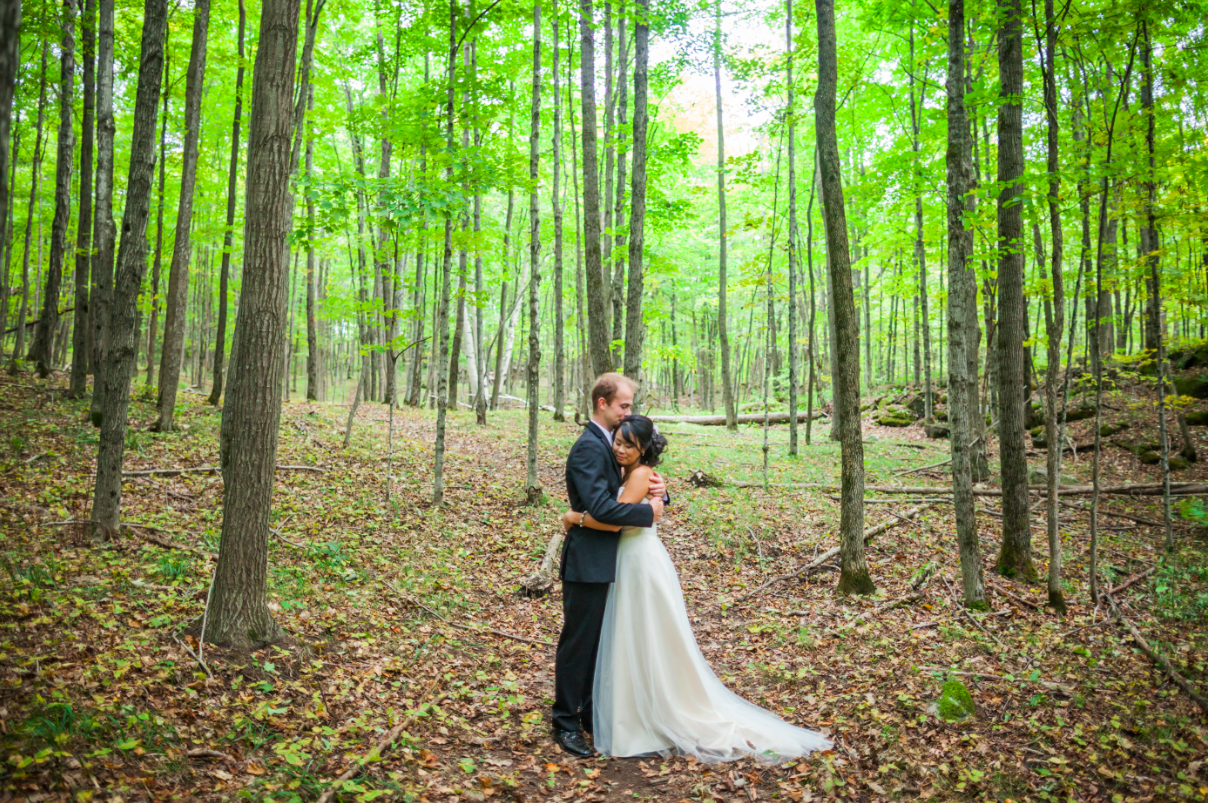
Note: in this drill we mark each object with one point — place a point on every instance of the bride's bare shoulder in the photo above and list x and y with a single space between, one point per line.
640 475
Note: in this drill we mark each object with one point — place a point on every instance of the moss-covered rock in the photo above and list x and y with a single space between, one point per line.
1081 412
1033 416
1139 448
955 702
941 415
1150 458
936 431
1107 430
1178 462
894 416
1194 385
1198 418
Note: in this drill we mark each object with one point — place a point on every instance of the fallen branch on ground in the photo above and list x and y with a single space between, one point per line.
376 752
1150 489
1153 656
720 420
1132 580
906 600
166 544
817 562
1048 684
146 472
1033 605
961 607
500 633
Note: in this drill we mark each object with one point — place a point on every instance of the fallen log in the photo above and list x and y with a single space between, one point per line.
906 600
147 472
822 559
1157 659
1148 489
720 420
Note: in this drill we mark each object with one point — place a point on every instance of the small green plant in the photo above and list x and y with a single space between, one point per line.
174 570
1182 591
31 580
56 723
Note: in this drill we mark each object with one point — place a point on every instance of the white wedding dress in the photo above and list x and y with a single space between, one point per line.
654 691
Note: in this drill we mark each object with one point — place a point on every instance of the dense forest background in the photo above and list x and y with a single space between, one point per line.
328 282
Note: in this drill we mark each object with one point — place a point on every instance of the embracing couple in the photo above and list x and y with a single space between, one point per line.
628 670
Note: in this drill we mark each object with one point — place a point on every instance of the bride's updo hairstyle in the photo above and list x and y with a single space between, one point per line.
640 430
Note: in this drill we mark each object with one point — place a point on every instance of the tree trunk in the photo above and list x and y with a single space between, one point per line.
229 229
790 118
533 482
114 372
239 616
617 245
585 359
36 172
962 294
41 352
1054 312
157 261
812 356
635 330
1015 557
10 65
559 324
853 577
598 318
104 230
79 331
610 176
312 329
920 252
727 388
442 316
178 274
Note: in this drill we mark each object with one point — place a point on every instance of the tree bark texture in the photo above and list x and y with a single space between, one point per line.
79 332
312 329
158 259
1015 556
533 482
41 351
853 577
962 294
559 324
10 64
178 274
229 229
442 315
23 308
598 319
635 330
790 118
115 371
727 388
238 609
103 229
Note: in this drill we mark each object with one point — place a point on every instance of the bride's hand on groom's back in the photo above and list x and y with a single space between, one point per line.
656 504
657 487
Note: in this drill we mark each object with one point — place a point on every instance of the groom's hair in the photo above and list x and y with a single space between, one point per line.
606 388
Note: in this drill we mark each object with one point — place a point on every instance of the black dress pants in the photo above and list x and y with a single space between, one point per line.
575 662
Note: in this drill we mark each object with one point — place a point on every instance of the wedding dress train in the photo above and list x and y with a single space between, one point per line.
654 692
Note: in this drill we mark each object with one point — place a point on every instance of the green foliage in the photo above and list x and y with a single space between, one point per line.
955 703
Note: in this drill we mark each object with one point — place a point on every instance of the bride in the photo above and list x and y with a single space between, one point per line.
654 691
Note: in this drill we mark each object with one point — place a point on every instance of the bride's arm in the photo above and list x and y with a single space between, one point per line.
636 488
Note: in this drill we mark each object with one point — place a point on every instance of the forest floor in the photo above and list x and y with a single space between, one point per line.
401 613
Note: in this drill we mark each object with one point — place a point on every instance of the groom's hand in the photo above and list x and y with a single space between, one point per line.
658 488
656 504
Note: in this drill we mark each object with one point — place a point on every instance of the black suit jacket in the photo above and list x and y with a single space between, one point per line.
593 478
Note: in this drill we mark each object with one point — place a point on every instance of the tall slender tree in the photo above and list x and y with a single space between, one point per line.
635 330
23 307
158 260
1015 556
10 64
79 331
598 317
41 351
103 229
442 316
559 323
790 120
962 296
853 576
228 233
533 482
727 388
178 273
237 612
114 372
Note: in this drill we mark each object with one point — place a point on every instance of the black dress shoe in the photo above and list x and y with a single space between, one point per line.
573 742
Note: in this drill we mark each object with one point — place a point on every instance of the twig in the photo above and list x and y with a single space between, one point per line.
277 532
196 657
493 632
1153 656
166 544
906 600
817 562
968 615
1033 605
1048 684
376 752
29 460
202 752
1132 580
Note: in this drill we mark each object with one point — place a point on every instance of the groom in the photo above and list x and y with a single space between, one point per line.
589 557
